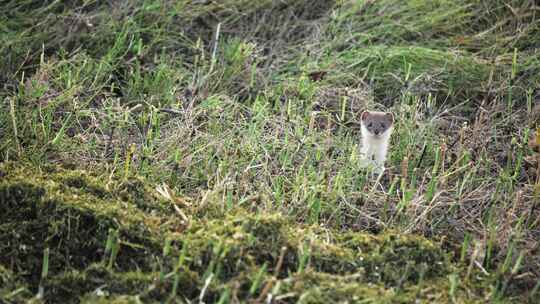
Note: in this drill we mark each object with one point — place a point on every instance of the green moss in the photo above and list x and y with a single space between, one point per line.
392 257
69 212
238 245
135 190
123 299
57 210
97 280
316 287
78 182
11 289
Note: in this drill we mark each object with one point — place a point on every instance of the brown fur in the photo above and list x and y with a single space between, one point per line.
377 122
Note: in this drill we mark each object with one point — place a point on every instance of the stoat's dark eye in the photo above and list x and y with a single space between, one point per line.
370 125
383 126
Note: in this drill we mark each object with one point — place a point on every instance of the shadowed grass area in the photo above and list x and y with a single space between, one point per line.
250 109
71 214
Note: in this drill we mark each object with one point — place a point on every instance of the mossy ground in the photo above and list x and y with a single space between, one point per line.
148 142
237 253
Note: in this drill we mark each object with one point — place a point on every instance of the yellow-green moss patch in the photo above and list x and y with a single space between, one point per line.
234 255
72 215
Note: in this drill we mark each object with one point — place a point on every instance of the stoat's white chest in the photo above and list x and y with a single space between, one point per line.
374 148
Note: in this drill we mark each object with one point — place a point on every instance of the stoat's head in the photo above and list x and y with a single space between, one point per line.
377 124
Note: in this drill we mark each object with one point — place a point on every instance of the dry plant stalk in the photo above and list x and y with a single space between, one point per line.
273 279
405 168
14 122
537 185
443 157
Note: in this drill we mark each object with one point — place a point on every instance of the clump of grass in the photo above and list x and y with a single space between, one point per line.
416 70
431 29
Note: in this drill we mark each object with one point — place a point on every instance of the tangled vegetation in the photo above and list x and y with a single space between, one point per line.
182 151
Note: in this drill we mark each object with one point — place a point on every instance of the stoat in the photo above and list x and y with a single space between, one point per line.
376 130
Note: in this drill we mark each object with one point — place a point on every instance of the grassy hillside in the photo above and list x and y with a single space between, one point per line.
188 151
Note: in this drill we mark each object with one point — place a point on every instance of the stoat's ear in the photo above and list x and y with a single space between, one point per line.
364 115
390 117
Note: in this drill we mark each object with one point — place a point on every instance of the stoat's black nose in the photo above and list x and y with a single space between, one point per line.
376 132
